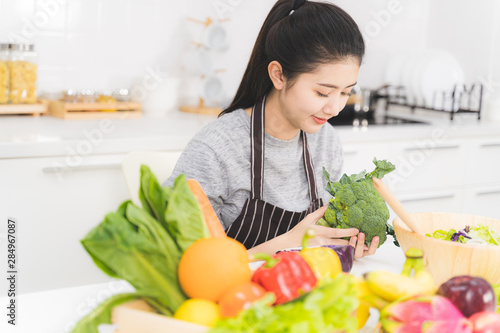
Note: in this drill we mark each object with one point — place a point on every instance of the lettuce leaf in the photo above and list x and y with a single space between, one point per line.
496 288
102 313
489 234
480 234
327 308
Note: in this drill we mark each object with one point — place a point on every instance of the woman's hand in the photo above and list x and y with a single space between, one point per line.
331 236
324 236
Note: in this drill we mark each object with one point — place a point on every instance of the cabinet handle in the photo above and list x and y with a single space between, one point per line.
429 197
54 169
455 146
491 144
488 192
350 152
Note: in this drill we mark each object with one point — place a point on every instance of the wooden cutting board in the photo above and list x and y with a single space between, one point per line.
138 316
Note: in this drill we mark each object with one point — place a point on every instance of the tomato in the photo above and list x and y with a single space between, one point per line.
239 298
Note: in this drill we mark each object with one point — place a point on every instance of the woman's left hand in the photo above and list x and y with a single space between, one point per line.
360 248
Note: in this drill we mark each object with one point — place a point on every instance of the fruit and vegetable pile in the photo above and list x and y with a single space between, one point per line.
173 251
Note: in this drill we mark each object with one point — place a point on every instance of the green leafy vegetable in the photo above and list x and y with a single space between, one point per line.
144 245
488 234
356 203
183 215
102 314
496 287
480 234
327 308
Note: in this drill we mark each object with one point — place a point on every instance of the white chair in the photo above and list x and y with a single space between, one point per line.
161 164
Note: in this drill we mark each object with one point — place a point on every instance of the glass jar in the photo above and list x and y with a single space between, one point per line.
4 73
23 70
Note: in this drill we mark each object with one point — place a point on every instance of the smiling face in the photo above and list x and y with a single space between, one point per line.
311 99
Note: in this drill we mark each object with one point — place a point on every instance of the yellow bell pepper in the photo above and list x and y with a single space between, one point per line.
323 261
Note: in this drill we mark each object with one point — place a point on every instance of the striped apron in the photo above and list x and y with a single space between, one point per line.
260 221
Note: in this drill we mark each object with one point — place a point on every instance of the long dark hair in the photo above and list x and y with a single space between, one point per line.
315 33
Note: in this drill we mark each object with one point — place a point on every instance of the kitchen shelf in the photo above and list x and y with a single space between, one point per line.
65 110
35 109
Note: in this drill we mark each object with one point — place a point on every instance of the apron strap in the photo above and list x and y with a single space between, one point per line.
308 164
257 137
257 148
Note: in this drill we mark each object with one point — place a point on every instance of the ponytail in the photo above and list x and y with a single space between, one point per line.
300 35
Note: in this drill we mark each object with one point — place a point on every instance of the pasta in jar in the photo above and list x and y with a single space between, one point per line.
23 74
4 73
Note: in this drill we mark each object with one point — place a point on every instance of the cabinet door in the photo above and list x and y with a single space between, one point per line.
430 201
426 165
56 201
483 162
359 157
483 200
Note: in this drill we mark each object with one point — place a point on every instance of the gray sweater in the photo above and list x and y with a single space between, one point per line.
218 157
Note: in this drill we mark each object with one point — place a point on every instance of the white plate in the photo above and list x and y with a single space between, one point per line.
408 76
440 73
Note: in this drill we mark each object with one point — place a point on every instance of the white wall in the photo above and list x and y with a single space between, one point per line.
106 44
471 31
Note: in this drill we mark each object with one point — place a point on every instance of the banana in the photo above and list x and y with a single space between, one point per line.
391 286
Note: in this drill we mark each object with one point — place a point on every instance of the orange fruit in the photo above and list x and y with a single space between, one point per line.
210 266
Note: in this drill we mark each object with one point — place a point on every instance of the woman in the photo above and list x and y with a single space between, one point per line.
260 162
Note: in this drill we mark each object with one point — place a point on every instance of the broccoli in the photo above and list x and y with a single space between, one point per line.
356 204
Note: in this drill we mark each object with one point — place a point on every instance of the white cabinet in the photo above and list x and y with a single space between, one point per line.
56 201
423 167
360 156
438 173
482 200
432 201
446 201
483 161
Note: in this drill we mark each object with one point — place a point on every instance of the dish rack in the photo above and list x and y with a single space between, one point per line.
462 99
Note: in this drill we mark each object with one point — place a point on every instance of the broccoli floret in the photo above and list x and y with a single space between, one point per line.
356 203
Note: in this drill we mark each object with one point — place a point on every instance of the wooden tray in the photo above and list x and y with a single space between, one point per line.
36 109
138 316
65 110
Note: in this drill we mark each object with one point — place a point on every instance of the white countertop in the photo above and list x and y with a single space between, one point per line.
56 311
22 136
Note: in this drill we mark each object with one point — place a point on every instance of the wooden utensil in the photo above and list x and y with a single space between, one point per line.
396 206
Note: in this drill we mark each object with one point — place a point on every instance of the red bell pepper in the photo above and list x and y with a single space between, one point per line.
286 274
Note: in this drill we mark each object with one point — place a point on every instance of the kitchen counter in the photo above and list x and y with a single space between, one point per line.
56 311
48 136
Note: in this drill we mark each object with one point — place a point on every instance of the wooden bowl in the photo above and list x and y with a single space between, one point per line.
445 259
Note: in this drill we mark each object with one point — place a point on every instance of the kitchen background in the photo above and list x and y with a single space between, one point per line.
60 177
110 44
